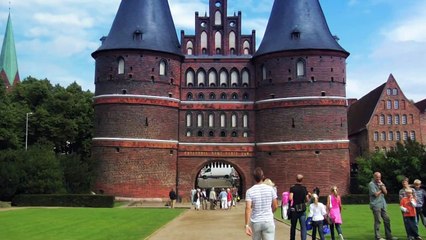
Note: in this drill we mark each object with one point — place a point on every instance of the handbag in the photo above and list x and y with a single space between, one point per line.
326 229
308 223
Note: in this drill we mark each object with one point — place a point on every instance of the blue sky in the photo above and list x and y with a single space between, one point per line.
54 39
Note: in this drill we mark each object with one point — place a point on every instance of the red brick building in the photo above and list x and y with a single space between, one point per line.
164 109
384 117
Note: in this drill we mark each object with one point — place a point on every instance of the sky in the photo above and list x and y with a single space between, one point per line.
54 38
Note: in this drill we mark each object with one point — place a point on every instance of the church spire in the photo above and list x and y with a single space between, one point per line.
143 25
297 25
8 59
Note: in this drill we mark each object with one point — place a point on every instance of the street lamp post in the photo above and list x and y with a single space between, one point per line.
26 131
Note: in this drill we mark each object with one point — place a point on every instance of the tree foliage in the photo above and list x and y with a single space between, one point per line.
407 159
60 126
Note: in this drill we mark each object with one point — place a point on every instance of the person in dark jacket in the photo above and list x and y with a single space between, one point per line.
172 196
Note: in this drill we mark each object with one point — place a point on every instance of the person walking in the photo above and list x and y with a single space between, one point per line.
408 208
212 199
204 199
299 196
261 203
334 209
377 191
223 197
172 196
420 195
317 211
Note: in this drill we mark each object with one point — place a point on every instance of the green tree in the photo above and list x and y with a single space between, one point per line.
407 159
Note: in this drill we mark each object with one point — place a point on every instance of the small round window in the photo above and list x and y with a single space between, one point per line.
232 24
203 24
218 4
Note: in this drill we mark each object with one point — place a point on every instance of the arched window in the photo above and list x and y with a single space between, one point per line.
189 96
189 47
212 96
396 104
395 91
398 136
389 119
245 121
245 78
388 91
120 65
263 72
405 136
212 78
223 78
376 136
163 67
222 120
245 134
388 104
404 120
390 136
397 119
217 18
189 120
300 68
188 133
211 120
382 119
203 42
200 96
218 41
234 120
234 96
200 120
223 96
201 78
190 78
246 47
232 41
383 136
413 135
234 78
234 134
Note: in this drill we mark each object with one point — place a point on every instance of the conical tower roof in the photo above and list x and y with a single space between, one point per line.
8 59
297 25
144 25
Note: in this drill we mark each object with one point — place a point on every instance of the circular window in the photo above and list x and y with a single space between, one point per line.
203 24
232 24
218 4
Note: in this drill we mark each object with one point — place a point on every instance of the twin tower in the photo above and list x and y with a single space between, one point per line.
164 109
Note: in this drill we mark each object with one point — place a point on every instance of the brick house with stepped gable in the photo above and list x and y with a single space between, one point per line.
164 109
384 117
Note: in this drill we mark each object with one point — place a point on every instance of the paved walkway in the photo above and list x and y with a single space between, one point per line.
212 225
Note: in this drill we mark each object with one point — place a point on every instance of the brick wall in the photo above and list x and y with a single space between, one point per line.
135 172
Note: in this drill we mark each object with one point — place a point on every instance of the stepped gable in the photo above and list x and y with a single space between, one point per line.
142 25
299 25
8 59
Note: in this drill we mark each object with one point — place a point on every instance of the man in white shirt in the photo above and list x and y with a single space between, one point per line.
261 203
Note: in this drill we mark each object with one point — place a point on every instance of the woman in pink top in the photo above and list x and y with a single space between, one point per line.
334 208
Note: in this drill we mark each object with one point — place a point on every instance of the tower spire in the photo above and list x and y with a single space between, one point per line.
8 60
297 25
143 25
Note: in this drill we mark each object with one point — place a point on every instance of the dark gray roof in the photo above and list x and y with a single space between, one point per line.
152 19
303 16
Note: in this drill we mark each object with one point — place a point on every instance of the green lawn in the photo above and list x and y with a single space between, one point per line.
83 223
358 222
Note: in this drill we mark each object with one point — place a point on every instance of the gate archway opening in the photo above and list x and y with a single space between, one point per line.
219 174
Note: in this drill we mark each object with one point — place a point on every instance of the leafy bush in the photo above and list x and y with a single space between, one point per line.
63 200
406 160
